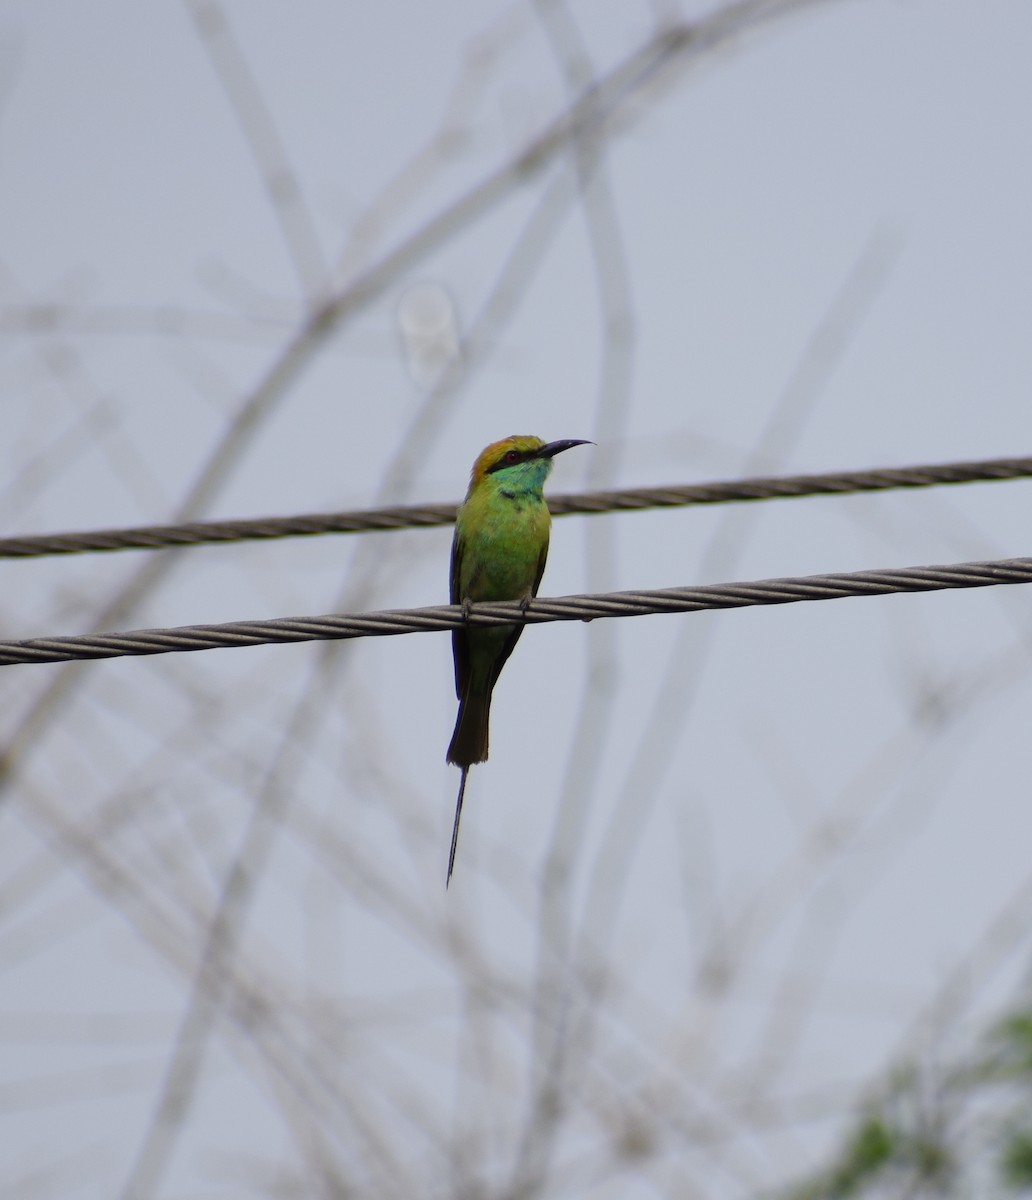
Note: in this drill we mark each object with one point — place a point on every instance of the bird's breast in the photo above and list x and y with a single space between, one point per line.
502 544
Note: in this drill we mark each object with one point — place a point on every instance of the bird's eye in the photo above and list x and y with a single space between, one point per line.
512 456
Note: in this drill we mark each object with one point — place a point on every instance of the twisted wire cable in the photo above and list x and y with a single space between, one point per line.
154 537
539 611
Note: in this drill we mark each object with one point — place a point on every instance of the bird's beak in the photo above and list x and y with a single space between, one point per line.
553 448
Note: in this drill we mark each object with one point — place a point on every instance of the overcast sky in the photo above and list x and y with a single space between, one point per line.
720 868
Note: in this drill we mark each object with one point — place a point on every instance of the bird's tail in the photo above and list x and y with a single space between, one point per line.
469 741
455 827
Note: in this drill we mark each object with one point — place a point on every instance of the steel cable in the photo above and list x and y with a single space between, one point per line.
840 483
539 611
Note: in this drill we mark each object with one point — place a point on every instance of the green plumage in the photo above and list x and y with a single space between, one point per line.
498 553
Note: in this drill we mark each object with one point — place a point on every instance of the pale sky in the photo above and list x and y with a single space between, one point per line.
786 831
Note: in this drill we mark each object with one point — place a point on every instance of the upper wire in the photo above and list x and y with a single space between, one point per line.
198 533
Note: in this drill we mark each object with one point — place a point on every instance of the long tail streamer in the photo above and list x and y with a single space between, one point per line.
455 827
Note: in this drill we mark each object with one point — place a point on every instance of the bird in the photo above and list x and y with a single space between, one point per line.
498 553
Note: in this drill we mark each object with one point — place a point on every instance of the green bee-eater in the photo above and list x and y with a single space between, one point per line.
498 553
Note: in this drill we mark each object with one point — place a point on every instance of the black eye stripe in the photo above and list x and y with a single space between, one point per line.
506 461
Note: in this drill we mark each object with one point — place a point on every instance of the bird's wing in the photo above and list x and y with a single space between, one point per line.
460 642
456 567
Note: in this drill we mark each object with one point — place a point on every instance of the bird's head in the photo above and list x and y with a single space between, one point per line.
523 462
